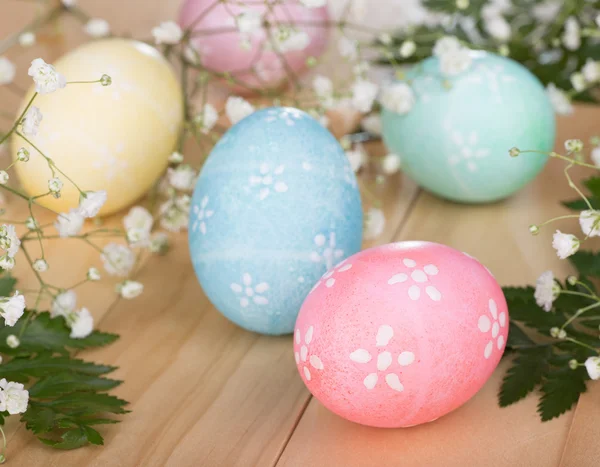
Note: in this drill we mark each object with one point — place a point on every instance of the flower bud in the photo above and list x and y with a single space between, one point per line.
573 364
105 80
534 229
514 152
13 341
23 155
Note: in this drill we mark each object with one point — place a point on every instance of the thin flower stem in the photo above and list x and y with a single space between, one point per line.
575 341
567 216
561 157
572 185
579 312
12 130
3 450
51 163
579 294
84 82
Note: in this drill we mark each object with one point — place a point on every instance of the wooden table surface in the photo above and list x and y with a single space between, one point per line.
204 392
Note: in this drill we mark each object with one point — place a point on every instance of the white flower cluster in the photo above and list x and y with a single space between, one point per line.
454 58
13 397
10 243
69 224
80 321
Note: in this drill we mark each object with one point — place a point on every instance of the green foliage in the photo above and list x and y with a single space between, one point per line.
593 186
533 43
67 395
541 362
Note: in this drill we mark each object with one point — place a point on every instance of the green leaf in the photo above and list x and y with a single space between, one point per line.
524 375
587 263
560 391
517 338
70 439
581 205
7 285
65 383
20 368
51 334
88 403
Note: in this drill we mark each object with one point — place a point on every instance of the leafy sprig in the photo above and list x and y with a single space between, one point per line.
68 396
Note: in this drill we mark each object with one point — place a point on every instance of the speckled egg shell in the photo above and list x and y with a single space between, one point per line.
275 206
455 140
401 334
116 138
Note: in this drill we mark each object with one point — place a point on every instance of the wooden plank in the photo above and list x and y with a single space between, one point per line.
480 432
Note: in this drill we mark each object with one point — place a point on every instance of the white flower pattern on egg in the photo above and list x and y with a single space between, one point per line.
467 149
492 76
328 276
267 181
418 277
384 360
246 291
485 325
202 215
325 251
304 358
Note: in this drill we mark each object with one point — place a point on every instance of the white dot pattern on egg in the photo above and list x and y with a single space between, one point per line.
273 211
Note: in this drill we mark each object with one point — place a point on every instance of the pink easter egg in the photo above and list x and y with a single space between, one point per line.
218 41
401 334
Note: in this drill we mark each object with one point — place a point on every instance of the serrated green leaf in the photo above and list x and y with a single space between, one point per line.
47 366
581 205
523 308
44 333
38 419
587 263
524 375
70 439
88 403
65 383
560 390
93 436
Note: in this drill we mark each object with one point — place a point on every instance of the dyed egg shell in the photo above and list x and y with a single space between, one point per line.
454 142
401 334
222 51
275 206
116 138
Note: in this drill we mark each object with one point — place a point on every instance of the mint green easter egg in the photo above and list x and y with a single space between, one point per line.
456 138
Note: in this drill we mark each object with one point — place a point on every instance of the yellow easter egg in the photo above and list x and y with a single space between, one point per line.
116 138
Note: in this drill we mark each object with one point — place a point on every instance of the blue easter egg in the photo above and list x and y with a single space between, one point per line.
276 205
456 138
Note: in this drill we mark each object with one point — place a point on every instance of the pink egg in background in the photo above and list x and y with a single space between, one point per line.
401 334
221 51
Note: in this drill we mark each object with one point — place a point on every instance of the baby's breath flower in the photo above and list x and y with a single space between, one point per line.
45 76
31 121
560 101
571 37
407 49
93 274
446 45
375 223
13 341
12 308
591 71
9 240
357 158
565 244
572 280
14 398
498 27
372 124
118 259
363 95
55 185
182 178
385 38
7 71
534 229
81 323
40 265
172 218
398 98
69 224
348 48
167 32
159 243
237 109
514 152
313 3
207 119
23 155
249 22
6 262
590 223
595 156
546 290
63 304
573 364
97 27
27 39
30 223
462 4
574 145
3 177
129 289
176 158
391 164
91 203
456 62
289 39
105 80
592 365
578 81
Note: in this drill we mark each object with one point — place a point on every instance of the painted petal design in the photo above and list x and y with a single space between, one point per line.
414 292
433 293
384 360
384 335
260 300
406 358
360 356
309 335
262 287
307 373
397 278
316 362
484 324
303 353
393 381
488 349
237 288
493 308
418 276
370 381
409 263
